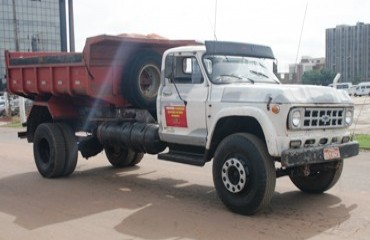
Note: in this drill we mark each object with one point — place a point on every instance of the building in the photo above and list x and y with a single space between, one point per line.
31 25
307 63
283 77
348 52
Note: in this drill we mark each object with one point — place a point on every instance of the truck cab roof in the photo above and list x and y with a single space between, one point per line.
229 48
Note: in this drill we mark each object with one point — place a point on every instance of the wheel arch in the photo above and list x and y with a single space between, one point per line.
228 125
38 115
56 109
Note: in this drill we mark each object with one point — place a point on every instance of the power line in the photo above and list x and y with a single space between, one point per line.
300 36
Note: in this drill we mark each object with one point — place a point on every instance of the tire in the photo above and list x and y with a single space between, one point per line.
141 85
120 157
71 153
321 178
137 159
244 173
49 150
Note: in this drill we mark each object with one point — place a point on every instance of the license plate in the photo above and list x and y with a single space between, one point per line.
331 153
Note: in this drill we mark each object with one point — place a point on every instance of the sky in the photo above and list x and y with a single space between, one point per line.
277 24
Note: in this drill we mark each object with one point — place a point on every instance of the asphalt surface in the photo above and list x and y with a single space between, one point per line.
163 200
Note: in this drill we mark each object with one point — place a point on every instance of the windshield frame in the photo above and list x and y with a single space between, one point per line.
271 76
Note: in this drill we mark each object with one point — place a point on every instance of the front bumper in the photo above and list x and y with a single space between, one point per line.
311 155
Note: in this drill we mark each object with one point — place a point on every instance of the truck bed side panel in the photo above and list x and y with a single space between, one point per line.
96 73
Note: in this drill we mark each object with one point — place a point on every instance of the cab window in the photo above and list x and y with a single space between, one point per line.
184 70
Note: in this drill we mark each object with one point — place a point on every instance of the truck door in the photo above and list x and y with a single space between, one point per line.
182 101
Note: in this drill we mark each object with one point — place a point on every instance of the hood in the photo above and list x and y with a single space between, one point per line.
284 94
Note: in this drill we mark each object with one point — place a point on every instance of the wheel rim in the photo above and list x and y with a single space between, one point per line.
235 175
44 150
149 79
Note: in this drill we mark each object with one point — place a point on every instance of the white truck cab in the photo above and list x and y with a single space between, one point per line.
220 101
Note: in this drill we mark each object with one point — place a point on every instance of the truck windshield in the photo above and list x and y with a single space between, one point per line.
235 69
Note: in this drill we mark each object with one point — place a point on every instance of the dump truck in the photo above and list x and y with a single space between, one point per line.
188 102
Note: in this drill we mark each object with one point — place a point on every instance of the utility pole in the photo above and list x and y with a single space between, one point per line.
15 26
71 26
15 29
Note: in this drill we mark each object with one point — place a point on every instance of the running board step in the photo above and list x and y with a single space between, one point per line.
183 157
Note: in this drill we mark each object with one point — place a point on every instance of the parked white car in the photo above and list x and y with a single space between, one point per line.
2 107
352 90
362 89
346 86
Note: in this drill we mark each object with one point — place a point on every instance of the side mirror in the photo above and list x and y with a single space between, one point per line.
169 66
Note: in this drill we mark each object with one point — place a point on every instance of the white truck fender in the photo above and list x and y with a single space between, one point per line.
261 117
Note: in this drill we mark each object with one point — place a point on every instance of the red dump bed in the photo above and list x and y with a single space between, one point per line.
96 73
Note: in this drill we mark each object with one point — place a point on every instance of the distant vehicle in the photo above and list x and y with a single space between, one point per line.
2 107
14 106
352 90
362 89
342 86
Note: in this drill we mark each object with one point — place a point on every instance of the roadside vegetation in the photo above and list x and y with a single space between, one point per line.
363 140
13 122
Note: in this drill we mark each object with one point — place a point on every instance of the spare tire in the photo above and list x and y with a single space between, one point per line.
140 86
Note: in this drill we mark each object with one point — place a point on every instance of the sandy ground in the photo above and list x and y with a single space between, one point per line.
163 200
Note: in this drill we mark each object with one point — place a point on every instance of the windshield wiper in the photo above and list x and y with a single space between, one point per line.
238 77
258 74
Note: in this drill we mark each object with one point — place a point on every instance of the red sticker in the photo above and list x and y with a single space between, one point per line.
176 116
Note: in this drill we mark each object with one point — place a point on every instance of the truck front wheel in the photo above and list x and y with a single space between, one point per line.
243 173
320 178
121 157
49 150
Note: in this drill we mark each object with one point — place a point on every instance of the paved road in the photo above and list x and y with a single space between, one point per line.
161 200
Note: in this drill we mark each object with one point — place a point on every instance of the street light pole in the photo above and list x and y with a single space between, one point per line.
71 26
15 26
15 30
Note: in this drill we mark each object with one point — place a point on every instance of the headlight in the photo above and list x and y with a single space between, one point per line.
296 118
349 116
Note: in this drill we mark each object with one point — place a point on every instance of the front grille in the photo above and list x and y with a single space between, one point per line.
323 118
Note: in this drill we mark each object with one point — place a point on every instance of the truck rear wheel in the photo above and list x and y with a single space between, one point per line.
243 173
71 151
141 85
49 150
321 177
121 157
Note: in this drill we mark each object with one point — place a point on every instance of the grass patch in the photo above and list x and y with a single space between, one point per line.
14 123
363 140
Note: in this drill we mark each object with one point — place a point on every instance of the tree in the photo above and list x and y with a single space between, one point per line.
318 77
357 80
